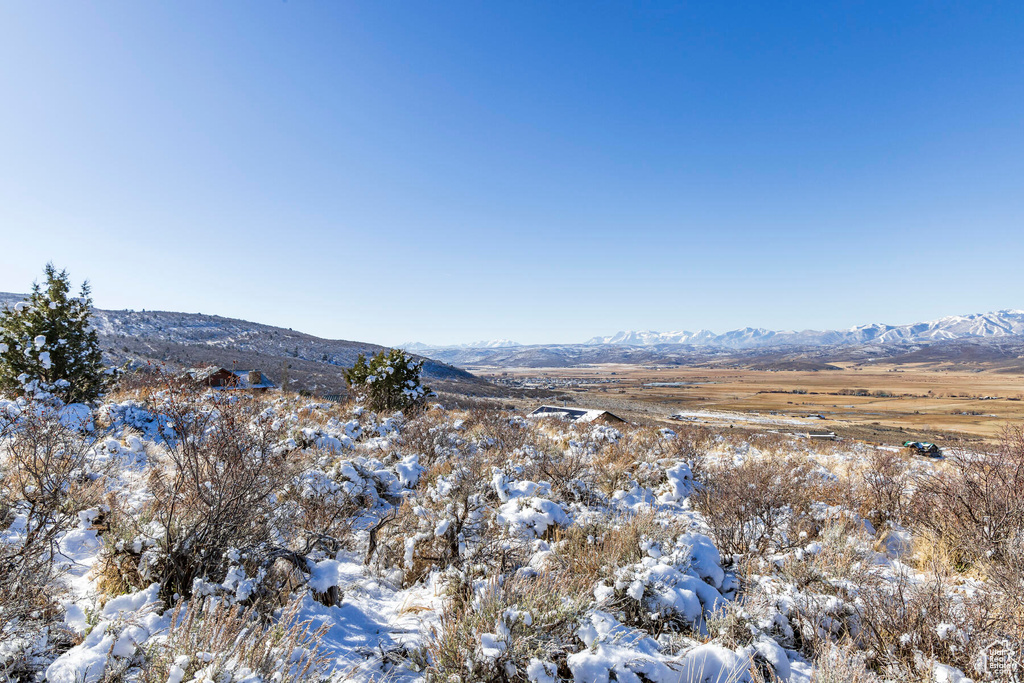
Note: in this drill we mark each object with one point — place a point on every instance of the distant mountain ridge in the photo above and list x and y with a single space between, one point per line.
754 347
489 344
1006 323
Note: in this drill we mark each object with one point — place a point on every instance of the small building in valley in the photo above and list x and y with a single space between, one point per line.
922 448
223 379
581 415
817 434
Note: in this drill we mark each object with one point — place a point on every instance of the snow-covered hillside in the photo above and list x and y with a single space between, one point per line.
193 339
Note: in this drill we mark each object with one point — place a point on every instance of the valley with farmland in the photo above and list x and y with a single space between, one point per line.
878 402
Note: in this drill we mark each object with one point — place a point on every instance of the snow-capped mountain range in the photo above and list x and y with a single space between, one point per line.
488 344
1006 323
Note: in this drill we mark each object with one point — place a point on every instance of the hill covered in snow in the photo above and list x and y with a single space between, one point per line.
180 340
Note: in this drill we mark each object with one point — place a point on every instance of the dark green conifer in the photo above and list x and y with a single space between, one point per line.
49 338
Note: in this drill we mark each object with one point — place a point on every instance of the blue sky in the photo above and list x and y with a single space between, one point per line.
448 172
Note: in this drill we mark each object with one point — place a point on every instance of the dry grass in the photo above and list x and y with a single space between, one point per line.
211 640
535 617
592 552
762 505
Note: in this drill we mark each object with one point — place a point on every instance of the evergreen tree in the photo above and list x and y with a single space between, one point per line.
48 338
390 381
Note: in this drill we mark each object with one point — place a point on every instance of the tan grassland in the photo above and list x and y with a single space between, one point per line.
880 403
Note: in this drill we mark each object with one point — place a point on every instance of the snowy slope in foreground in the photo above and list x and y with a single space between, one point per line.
477 551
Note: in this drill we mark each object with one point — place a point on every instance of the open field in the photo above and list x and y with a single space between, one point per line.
880 403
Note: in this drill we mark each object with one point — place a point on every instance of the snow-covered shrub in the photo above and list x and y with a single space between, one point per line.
647 572
569 471
320 509
49 339
45 483
674 587
212 491
211 640
678 485
520 627
318 513
804 598
389 381
531 516
619 462
842 663
444 523
136 416
497 430
762 503
884 488
431 436
200 640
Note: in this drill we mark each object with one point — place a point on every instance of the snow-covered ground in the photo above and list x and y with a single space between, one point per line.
720 417
450 545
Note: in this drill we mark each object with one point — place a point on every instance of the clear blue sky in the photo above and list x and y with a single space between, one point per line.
446 172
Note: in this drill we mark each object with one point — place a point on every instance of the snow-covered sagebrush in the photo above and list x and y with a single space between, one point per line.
211 537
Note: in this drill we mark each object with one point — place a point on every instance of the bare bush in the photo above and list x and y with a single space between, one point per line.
44 484
976 503
495 634
212 492
885 485
760 504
